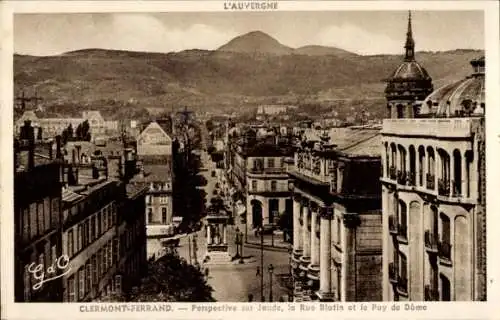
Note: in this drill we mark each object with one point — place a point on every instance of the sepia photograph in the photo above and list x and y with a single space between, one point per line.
258 156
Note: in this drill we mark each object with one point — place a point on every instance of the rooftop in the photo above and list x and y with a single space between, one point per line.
154 173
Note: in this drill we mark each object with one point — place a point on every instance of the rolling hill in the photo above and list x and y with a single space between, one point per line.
248 70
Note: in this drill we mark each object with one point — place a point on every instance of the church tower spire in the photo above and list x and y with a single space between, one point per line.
410 43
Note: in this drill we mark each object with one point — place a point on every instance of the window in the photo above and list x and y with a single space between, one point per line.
87 231
92 229
27 284
164 215
118 284
79 238
110 217
41 227
150 215
53 253
93 262
110 253
339 230
98 223
403 219
273 185
270 163
254 185
26 223
88 277
71 289
71 244
105 220
46 213
81 283
55 206
115 250
400 111
105 259
41 260
98 262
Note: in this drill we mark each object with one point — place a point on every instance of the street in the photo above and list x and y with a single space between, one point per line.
235 282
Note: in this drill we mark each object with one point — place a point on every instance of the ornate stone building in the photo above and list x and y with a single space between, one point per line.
337 244
409 84
433 194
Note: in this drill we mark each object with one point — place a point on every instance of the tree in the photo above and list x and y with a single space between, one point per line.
82 131
69 132
209 124
169 279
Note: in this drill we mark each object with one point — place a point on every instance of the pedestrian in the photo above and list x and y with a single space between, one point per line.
206 272
250 297
258 272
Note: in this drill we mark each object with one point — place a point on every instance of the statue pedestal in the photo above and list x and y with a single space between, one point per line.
217 247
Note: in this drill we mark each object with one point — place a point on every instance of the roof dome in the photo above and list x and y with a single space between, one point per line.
410 70
463 98
410 81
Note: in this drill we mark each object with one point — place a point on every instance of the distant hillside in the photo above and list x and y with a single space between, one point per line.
323 51
237 74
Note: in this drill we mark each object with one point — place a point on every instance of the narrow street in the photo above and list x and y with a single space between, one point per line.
234 282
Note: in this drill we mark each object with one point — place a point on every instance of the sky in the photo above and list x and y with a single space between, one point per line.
362 32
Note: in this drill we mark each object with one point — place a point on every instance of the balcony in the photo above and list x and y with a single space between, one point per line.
446 127
402 285
393 277
393 173
273 170
393 225
444 250
431 242
401 177
431 294
403 231
457 188
430 181
412 181
444 187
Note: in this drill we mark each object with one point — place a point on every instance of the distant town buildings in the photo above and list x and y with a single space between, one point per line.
50 127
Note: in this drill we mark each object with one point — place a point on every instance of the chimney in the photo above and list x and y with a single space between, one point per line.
58 147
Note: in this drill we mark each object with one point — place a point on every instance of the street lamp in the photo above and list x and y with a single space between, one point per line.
239 245
270 269
261 264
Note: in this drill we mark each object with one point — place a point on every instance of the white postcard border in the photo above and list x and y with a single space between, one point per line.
455 310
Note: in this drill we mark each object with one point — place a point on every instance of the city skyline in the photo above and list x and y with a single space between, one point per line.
361 32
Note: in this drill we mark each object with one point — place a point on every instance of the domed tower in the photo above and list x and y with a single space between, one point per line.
463 98
409 84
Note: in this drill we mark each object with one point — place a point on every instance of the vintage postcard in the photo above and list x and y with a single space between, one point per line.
278 159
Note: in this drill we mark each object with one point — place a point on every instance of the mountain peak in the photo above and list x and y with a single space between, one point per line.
256 42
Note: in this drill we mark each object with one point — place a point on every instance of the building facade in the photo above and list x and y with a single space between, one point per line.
103 236
154 151
268 191
37 219
433 196
73 222
46 128
337 241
